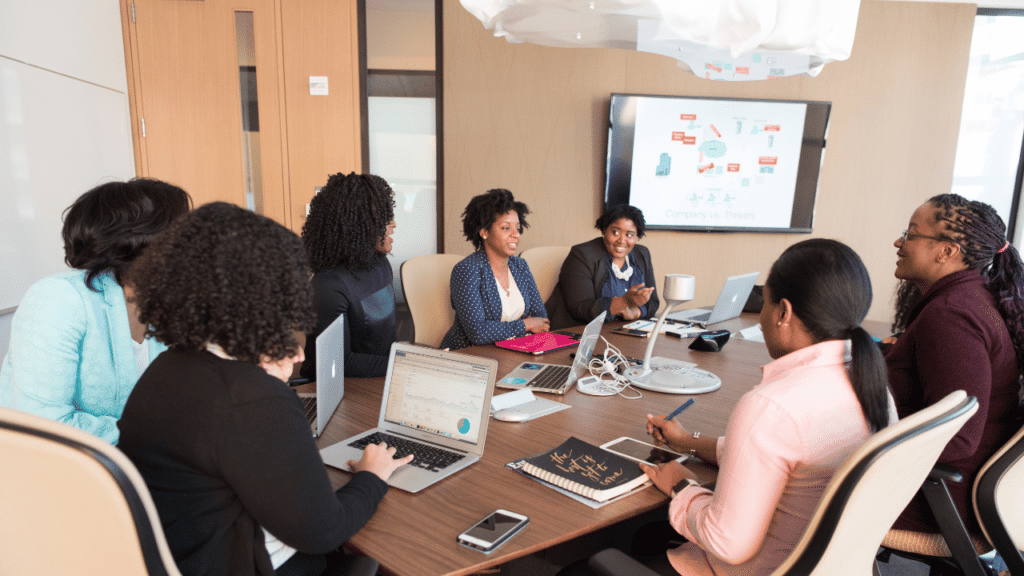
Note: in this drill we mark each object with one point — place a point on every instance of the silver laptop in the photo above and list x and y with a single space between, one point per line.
729 305
436 405
556 378
330 377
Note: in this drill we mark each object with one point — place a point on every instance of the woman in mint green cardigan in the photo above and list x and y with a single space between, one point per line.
77 347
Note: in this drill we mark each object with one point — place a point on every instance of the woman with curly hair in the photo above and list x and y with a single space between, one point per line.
221 440
960 306
493 292
608 274
348 237
77 345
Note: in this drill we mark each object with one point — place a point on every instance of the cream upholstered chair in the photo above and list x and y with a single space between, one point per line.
426 282
862 500
545 264
998 494
70 503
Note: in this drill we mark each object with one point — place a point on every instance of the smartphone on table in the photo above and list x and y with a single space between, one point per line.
642 451
631 332
492 531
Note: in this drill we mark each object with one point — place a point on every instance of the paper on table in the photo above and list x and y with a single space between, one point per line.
524 401
753 334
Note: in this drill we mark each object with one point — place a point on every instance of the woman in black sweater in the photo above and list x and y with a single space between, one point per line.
222 442
348 236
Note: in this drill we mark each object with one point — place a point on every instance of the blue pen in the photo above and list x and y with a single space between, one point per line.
676 412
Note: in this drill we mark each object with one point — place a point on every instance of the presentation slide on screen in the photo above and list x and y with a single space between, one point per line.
716 163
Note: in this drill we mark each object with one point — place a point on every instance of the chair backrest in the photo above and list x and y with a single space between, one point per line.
545 264
71 503
872 487
426 282
999 500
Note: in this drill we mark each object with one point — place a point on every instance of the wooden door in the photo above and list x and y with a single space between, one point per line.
184 66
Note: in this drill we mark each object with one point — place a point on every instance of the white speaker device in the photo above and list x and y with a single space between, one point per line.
665 374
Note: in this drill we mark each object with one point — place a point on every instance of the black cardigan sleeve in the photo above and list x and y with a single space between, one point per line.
268 456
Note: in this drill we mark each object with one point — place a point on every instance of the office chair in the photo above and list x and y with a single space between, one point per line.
998 496
545 264
862 500
426 284
73 504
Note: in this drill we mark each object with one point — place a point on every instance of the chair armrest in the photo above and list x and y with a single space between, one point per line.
944 472
614 562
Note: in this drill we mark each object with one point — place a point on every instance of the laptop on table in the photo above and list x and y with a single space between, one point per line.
729 305
556 378
436 405
330 377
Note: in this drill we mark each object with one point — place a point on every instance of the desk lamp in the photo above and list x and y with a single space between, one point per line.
665 374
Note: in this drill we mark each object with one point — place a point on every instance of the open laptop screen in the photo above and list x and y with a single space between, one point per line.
437 395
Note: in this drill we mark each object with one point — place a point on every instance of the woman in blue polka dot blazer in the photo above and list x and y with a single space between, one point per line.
493 292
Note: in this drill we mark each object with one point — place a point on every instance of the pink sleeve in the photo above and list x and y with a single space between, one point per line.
755 462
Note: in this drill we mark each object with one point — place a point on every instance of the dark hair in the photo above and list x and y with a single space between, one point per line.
830 290
106 228
483 210
347 221
618 211
227 276
979 231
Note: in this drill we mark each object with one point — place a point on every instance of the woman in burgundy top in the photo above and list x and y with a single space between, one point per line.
960 309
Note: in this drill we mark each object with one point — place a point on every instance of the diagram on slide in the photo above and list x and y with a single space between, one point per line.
717 167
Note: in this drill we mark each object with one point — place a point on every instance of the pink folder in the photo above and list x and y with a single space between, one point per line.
538 343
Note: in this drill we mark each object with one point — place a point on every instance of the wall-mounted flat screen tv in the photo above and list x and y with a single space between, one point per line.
716 164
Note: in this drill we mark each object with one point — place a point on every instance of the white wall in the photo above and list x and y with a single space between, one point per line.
64 128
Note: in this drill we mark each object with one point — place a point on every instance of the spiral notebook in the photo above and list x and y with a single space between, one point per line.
586 470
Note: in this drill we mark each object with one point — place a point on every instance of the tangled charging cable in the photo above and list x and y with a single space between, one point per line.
607 374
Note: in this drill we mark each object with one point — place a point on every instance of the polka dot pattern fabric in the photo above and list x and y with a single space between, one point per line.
478 306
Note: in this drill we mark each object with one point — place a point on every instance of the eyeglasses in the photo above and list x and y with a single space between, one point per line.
910 236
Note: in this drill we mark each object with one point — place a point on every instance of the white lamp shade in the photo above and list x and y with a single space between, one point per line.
679 288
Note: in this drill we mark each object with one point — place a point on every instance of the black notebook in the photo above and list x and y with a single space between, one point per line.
586 470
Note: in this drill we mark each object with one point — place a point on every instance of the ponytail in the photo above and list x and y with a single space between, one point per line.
870 378
1006 282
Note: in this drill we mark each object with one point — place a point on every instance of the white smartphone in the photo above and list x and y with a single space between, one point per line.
492 531
642 451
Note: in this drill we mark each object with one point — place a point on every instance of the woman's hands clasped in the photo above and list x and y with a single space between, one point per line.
535 324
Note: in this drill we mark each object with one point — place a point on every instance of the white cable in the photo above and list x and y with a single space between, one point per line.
606 369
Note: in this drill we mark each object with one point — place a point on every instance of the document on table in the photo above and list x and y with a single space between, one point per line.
753 334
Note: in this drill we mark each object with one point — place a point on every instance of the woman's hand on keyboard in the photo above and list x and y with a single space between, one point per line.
380 460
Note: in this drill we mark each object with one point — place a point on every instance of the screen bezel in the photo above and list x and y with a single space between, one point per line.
619 165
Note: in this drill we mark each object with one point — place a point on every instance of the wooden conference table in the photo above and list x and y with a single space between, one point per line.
414 534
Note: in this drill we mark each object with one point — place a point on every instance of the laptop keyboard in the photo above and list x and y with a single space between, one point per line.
424 456
309 405
550 378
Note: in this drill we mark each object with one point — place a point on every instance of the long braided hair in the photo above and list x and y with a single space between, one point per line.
980 233
347 220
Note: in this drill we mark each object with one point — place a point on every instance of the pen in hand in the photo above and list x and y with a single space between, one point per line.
676 412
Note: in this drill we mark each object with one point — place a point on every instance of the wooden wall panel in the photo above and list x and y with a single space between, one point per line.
320 38
533 119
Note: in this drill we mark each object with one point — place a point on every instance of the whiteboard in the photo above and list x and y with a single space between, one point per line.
59 136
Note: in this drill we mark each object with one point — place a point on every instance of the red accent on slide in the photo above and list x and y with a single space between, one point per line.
689 140
743 70
772 128
768 160
687 116
703 169
678 136
717 133
733 168
710 66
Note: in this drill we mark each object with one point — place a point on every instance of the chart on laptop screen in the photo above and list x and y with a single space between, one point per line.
438 396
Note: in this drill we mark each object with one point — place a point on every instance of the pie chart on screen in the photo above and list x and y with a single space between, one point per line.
463 425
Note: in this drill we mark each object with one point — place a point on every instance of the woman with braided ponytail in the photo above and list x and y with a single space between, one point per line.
960 308
348 237
786 437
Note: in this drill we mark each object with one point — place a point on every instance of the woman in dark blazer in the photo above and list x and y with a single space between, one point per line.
608 274
493 292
